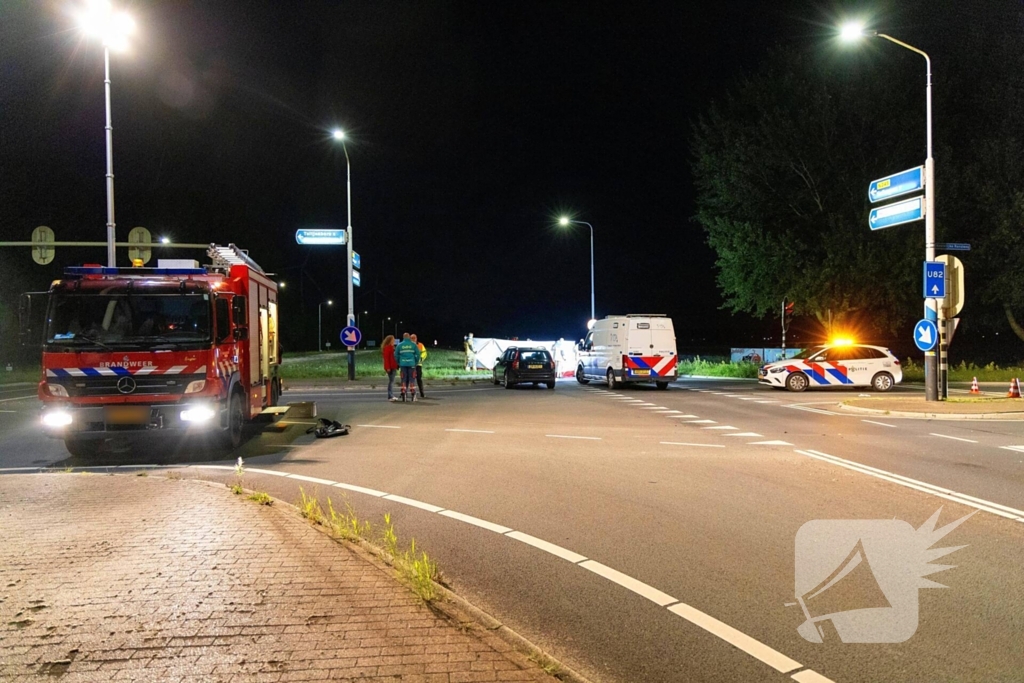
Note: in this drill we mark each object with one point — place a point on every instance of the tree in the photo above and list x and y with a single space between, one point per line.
781 167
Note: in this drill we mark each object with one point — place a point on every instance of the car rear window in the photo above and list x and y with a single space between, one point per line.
534 356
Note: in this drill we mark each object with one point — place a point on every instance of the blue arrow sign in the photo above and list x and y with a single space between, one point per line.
926 335
351 336
317 236
896 185
356 260
896 214
934 280
356 278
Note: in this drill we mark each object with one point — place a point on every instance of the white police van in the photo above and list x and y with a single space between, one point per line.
629 348
838 365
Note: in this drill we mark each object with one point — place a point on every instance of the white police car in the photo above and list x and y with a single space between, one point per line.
836 365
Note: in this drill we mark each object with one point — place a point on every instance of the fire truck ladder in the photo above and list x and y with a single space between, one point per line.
231 255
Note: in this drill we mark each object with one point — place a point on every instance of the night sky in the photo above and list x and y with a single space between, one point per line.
472 126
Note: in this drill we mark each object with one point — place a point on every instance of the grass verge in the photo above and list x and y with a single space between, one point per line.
29 374
965 372
440 364
416 568
699 366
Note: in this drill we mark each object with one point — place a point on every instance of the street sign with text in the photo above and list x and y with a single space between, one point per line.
896 185
934 280
320 237
356 260
896 214
356 278
953 246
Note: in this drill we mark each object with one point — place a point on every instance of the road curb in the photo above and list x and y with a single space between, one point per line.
452 607
995 417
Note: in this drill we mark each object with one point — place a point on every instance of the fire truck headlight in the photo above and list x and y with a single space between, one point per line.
57 390
56 418
195 387
198 413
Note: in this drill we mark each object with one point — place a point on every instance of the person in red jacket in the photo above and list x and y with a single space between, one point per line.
390 364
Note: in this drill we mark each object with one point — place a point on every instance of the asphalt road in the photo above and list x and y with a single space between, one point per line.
667 520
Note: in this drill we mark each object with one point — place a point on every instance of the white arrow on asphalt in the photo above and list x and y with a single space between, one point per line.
924 334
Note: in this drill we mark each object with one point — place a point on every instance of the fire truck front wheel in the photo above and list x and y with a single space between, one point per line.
83 448
236 421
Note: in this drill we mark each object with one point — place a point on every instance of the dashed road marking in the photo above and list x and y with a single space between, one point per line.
700 422
769 443
763 402
955 438
471 431
750 434
17 398
680 417
721 427
567 436
380 426
809 410
880 424
1019 449
684 443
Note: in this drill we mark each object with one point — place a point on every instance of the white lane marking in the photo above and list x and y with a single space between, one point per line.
721 393
753 434
654 408
762 402
413 503
924 487
380 426
747 398
955 438
8 411
754 648
722 427
810 410
880 424
683 443
700 422
644 404
681 417
668 412
361 489
810 676
17 398
565 436
541 544
628 582
273 473
1019 449
475 521
715 627
769 443
471 431
314 480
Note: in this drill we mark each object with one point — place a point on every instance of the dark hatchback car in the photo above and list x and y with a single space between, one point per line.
521 366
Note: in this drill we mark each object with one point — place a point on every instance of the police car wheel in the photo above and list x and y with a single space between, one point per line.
579 376
882 382
797 381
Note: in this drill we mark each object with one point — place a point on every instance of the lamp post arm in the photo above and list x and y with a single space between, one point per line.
928 82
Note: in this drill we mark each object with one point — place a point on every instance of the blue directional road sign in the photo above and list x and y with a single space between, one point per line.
896 214
896 185
926 335
934 280
351 336
356 278
356 260
320 237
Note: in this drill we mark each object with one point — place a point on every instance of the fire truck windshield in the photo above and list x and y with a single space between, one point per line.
129 320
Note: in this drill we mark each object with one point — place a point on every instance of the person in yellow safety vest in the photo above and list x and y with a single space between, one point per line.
419 363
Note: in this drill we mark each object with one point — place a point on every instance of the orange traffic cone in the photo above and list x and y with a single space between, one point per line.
974 386
1014 391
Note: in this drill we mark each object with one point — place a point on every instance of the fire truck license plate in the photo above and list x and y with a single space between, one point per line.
642 373
127 415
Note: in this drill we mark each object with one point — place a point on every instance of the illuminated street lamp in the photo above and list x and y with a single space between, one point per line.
99 20
320 324
851 32
339 135
565 221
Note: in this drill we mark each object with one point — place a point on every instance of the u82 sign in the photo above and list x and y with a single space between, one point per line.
934 280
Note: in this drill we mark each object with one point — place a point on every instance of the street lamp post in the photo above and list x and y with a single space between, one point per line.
382 328
932 309
564 221
339 135
320 324
113 28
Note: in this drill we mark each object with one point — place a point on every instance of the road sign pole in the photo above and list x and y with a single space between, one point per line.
351 320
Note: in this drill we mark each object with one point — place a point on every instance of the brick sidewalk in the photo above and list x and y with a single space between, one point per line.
154 579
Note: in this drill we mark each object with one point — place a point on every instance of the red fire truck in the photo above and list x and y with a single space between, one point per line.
171 350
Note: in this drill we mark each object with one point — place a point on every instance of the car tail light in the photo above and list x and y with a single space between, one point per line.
895 361
515 364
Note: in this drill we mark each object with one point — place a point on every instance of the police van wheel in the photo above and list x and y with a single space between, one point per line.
882 382
661 385
797 381
579 376
612 384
